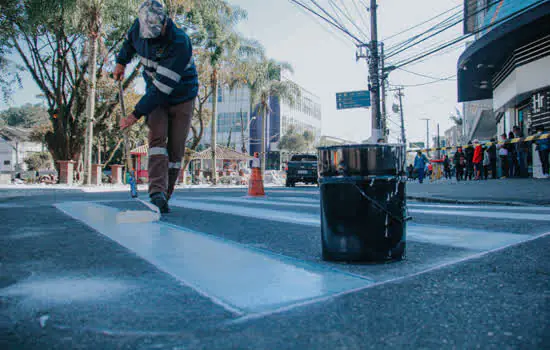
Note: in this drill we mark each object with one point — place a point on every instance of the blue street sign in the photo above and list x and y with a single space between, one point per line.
353 99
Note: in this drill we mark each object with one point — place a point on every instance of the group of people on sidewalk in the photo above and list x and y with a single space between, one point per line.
477 161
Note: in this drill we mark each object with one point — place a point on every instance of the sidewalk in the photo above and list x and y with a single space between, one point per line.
505 191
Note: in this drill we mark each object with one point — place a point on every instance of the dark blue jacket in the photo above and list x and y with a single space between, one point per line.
168 67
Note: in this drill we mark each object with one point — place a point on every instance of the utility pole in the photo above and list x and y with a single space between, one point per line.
383 87
400 94
374 74
427 135
438 143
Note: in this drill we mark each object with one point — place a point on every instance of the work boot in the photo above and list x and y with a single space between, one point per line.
159 199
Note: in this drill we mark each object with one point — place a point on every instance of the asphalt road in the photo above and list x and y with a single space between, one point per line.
223 271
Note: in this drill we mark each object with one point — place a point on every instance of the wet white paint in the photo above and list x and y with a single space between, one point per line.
241 279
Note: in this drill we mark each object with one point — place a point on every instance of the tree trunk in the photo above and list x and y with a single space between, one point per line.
90 110
214 124
243 148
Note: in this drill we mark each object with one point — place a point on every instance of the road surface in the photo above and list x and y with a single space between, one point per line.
224 271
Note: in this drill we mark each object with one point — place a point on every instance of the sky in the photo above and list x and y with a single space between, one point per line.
324 62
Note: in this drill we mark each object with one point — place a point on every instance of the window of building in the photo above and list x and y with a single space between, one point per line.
7 162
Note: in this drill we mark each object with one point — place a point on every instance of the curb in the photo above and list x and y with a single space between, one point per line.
473 202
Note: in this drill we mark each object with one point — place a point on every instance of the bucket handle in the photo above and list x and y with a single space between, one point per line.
377 204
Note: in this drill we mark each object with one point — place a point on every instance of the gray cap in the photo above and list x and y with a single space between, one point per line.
152 16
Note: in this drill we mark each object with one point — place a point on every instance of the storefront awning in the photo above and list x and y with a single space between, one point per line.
487 55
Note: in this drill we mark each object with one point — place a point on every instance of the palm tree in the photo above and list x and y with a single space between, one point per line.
90 17
265 82
217 37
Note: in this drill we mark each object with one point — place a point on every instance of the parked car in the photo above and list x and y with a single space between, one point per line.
302 168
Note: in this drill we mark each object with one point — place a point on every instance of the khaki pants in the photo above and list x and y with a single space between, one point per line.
168 130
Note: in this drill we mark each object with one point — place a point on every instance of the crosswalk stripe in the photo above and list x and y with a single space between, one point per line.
262 201
242 279
433 209
483 207
435 234
256 213
485 214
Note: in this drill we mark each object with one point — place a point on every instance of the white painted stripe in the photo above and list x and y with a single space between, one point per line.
169 73
485 214
297 199
253 200
462 237
435 234
239 278
158 151
483 207
163 87
437 267
256 213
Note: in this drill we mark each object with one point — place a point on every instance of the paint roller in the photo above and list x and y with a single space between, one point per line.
133 216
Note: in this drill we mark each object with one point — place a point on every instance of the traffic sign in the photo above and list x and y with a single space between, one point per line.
353 99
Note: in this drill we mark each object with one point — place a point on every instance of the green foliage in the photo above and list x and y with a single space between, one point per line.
39 161
26 116
292 141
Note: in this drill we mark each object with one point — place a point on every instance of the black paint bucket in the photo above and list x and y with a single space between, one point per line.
363 202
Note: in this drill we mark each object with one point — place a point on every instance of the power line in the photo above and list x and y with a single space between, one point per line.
420 24
428 83
357 40
347 15
457 18
463 37
421 75
330 30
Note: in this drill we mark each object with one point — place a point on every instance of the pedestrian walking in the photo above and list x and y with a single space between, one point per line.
469 152
543 148
493 158
420 162
172 85
478 160
512 156
447 167
503 154
459 161
486 163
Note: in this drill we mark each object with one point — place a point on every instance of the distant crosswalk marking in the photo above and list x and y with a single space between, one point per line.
485 214
435 234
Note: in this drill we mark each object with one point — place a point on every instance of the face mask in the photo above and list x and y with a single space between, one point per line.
151 19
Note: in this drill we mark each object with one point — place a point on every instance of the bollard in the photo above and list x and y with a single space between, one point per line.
66 171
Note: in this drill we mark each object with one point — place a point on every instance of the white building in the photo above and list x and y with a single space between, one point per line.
507 67
15 147
235 106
